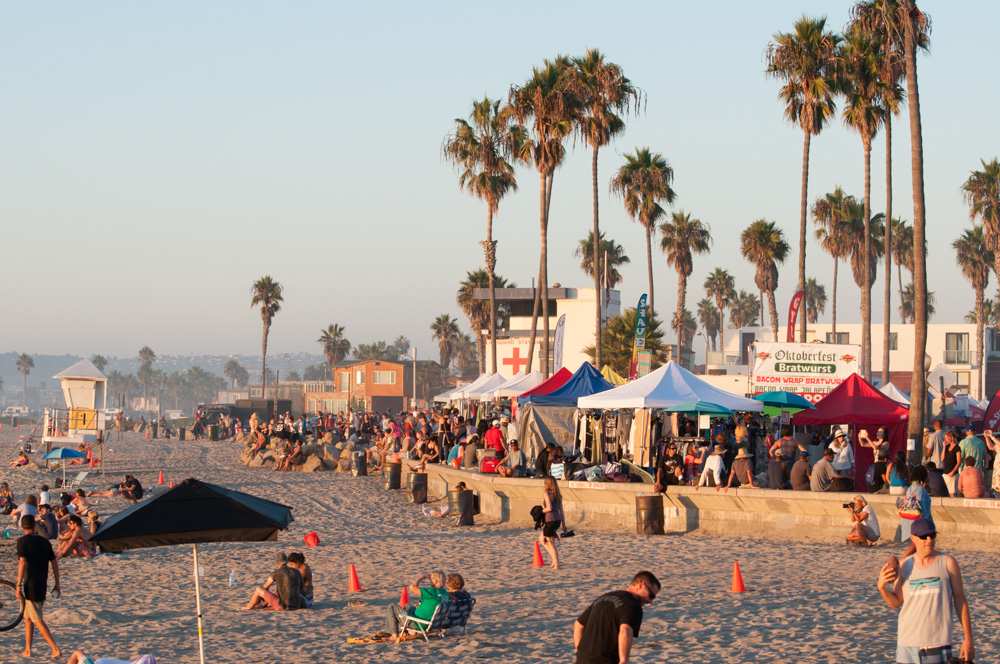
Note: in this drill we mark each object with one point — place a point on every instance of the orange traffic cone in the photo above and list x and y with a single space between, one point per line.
404 598
536 560
170 485
353 585
160 480
738 586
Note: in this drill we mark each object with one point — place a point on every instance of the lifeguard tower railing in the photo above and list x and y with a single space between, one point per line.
64 427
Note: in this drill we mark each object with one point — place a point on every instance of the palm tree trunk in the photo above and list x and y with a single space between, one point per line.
773 310
649 266
803 213
679 315
866 288
481 350
543 186
490 249
899 277
596 262
722 328
980 331
546 361
887 286
918 383
263 363
24 388
833 324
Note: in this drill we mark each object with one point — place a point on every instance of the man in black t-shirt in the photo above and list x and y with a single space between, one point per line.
605 631
34 555
670 469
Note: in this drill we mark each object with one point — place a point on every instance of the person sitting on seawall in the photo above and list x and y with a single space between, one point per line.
823 474
430 598
936 485
865 531
80 657
800 474
843 462
742 472
970 482
897 475
514 463
711 475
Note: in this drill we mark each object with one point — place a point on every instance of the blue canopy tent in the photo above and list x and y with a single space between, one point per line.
586 381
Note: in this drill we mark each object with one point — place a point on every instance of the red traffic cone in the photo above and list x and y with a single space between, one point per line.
353 585
738 586
536 560
404 598
170 485
160 480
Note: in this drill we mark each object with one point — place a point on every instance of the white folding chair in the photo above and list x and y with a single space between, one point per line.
421 626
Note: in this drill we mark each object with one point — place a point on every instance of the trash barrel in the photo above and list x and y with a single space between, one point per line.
470 458
418 488
453 501
154 429
393 475
360 464
180 433
466 508
213 431
649 514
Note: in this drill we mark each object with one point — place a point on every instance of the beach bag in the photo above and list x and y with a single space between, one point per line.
909 508
594 474
488 465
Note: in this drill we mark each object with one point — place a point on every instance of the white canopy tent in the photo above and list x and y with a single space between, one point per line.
492 382
895 394
515 386
457 393
445 396
668 386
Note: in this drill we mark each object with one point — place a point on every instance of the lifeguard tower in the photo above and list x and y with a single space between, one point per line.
85 391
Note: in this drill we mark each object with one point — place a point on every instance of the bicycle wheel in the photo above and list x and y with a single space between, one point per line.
11 608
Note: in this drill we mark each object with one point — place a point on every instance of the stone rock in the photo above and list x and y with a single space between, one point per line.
344 466
312 464
263 460
345 454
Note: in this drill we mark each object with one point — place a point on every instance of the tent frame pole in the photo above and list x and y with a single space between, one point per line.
197 603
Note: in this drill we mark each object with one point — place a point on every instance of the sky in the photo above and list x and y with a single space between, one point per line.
158 158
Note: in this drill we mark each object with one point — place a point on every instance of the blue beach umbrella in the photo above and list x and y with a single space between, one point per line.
701 407
63 453
784 401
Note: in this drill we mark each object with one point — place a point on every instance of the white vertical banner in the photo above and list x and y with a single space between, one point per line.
560 337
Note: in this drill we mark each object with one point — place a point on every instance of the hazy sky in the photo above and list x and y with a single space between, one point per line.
157 159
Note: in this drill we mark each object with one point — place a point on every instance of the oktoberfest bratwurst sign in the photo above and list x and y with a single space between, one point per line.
811 370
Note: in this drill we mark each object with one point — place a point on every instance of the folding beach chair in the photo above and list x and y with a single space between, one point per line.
421 626
76 481
458 613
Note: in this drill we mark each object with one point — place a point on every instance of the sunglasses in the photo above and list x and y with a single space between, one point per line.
926 537
652 593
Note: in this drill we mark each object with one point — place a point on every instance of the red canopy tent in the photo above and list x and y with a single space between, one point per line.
857 403
555 381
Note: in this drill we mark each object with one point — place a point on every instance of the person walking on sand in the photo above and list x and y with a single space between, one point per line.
926 588
605 631
553 509
34 555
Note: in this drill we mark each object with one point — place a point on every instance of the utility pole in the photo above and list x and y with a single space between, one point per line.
414 349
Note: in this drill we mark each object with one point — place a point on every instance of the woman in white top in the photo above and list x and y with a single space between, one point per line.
714 467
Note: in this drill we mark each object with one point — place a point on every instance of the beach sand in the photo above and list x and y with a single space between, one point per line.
806 602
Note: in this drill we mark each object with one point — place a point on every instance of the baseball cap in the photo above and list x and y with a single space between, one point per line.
922 528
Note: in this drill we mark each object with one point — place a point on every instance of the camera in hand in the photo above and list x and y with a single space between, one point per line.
847 506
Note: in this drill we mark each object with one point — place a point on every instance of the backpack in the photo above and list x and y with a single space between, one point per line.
538 515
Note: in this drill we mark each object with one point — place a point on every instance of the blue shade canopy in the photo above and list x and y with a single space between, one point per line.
586 381
700 407
64 453
784 400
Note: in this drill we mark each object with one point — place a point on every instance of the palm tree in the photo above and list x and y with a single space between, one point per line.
445 329
480 148
604 94
267 294
720 286
619 336
805 61
610 256
146 359
680 238
475 310
991 314
976 260
547 101
829 214
465 354
234 371
982 192
25 363
99 361
744 310
335 345
763 244
684 326
711 322
856 232
644 181
814 299
864 111
902 249
907 304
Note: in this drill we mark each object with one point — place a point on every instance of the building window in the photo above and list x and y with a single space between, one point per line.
384 378
893 341
345 380
994 341
962 380
839 338
956 348
359 377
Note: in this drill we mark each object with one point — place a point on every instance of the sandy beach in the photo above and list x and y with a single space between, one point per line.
806 602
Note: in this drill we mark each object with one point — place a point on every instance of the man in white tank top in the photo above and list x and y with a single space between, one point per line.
926 588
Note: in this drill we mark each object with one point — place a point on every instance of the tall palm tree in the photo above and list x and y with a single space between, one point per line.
548 103
25 363
982 192
720 286
475 309
864 111
99 361
605 94
610 256
829 214
744 310
908 307
856 230
902 249
267 294
976 261
805 61
146 372
680 238
814 300
480 148
763 244
335 345
232 370
445 331
644 181
711 322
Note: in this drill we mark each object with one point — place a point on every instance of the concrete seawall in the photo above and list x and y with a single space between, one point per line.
789 515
